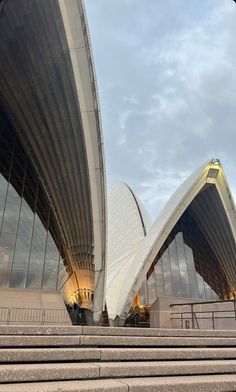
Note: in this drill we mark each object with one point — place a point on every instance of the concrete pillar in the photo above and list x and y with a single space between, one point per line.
85 274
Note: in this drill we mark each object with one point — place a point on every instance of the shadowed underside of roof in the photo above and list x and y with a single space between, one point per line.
48 91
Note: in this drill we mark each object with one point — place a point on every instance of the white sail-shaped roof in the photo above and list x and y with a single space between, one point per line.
219 232
128 224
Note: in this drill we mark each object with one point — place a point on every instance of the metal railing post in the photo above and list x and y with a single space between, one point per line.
213 320
8 315
43 317
181 319
192 316
208 314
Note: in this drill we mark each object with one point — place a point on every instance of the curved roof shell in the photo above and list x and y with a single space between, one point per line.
216 211
128 224
48 90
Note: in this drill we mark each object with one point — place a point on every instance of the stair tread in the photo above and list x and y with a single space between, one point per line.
154 353
108 331
112 354
49 354
113 364
27 340
80 358
99 340
69 371
157 341
164 384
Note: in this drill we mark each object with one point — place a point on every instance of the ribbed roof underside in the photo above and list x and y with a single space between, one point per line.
208 211
57 120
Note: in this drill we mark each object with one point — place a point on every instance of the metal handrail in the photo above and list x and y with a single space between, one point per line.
193 313
33 316
204 302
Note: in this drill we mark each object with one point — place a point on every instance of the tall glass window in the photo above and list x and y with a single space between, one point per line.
167 273
184 265
152 289
177 291
29 256
159 278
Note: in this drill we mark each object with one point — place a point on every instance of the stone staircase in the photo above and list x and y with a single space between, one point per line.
98 359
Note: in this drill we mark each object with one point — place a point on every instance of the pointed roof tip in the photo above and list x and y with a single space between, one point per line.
216 162
120 186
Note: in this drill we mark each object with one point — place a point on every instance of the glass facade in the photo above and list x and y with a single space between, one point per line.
29 243
186 266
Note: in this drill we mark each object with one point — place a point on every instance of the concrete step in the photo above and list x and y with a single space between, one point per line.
50 354
150 354
206 383
24 355
43 358
109 331
40 330
112 341
77 371
38 341
134 341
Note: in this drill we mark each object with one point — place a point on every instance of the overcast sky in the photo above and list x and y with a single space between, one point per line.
166 73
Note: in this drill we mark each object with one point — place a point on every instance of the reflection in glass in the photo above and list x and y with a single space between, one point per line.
22 247
167 273
37 256
182 265
152 291
51 265
143 293
193 287
177 292
201 287
28 254
159 278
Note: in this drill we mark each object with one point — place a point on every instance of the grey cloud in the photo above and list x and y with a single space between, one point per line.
166 76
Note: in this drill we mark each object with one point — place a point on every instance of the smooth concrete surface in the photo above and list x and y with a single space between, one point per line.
17 301
31 298
161 314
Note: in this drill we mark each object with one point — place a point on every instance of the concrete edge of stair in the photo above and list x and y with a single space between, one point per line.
83 354
205 383
109 331
112 370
